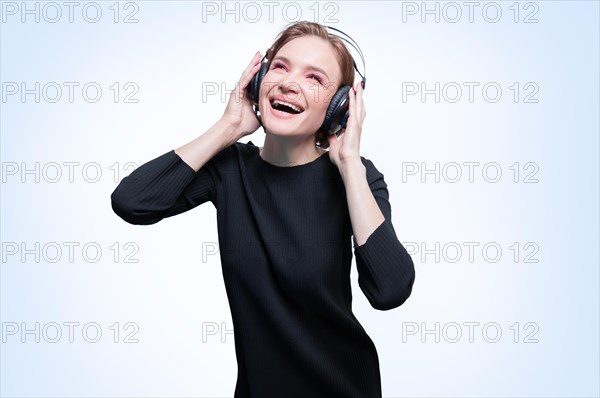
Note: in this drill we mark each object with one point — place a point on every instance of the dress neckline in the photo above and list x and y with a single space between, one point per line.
296 167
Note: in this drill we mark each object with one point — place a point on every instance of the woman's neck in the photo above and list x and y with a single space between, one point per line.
286 151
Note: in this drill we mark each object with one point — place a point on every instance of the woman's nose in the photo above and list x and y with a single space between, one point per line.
289 85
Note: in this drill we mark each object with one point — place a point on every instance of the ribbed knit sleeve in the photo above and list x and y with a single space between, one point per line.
164 187
386 272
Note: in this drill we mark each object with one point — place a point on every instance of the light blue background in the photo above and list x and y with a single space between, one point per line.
170 293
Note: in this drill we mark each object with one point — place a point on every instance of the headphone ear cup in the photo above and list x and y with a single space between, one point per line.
336 111
254 85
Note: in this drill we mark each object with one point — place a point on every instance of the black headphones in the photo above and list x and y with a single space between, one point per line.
336 115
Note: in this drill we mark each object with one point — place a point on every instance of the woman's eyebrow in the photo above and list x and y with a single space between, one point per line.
284 59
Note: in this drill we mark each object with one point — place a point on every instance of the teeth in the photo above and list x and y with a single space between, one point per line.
294 107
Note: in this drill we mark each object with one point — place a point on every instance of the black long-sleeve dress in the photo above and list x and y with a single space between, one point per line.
285 241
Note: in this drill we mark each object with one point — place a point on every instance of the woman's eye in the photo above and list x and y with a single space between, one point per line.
317 78
279 65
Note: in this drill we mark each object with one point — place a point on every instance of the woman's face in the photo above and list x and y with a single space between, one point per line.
304 74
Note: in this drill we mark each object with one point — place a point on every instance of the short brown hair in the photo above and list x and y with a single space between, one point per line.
345 60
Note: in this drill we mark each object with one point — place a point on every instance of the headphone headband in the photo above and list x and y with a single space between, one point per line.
357 48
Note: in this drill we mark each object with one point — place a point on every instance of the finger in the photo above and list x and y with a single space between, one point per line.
255 60
351 104
359 101
251 69
248 75
352 122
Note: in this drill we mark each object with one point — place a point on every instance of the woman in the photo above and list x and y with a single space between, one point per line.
286 213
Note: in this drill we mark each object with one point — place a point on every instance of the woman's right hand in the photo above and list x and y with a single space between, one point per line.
239 112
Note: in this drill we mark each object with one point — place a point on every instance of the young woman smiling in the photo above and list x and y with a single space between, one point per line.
286 213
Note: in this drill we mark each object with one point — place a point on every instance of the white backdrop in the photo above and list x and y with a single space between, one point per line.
483 117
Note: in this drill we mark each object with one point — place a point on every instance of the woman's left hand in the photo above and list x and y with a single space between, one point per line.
345 148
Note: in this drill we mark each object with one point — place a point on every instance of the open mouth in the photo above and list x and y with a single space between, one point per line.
286 107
